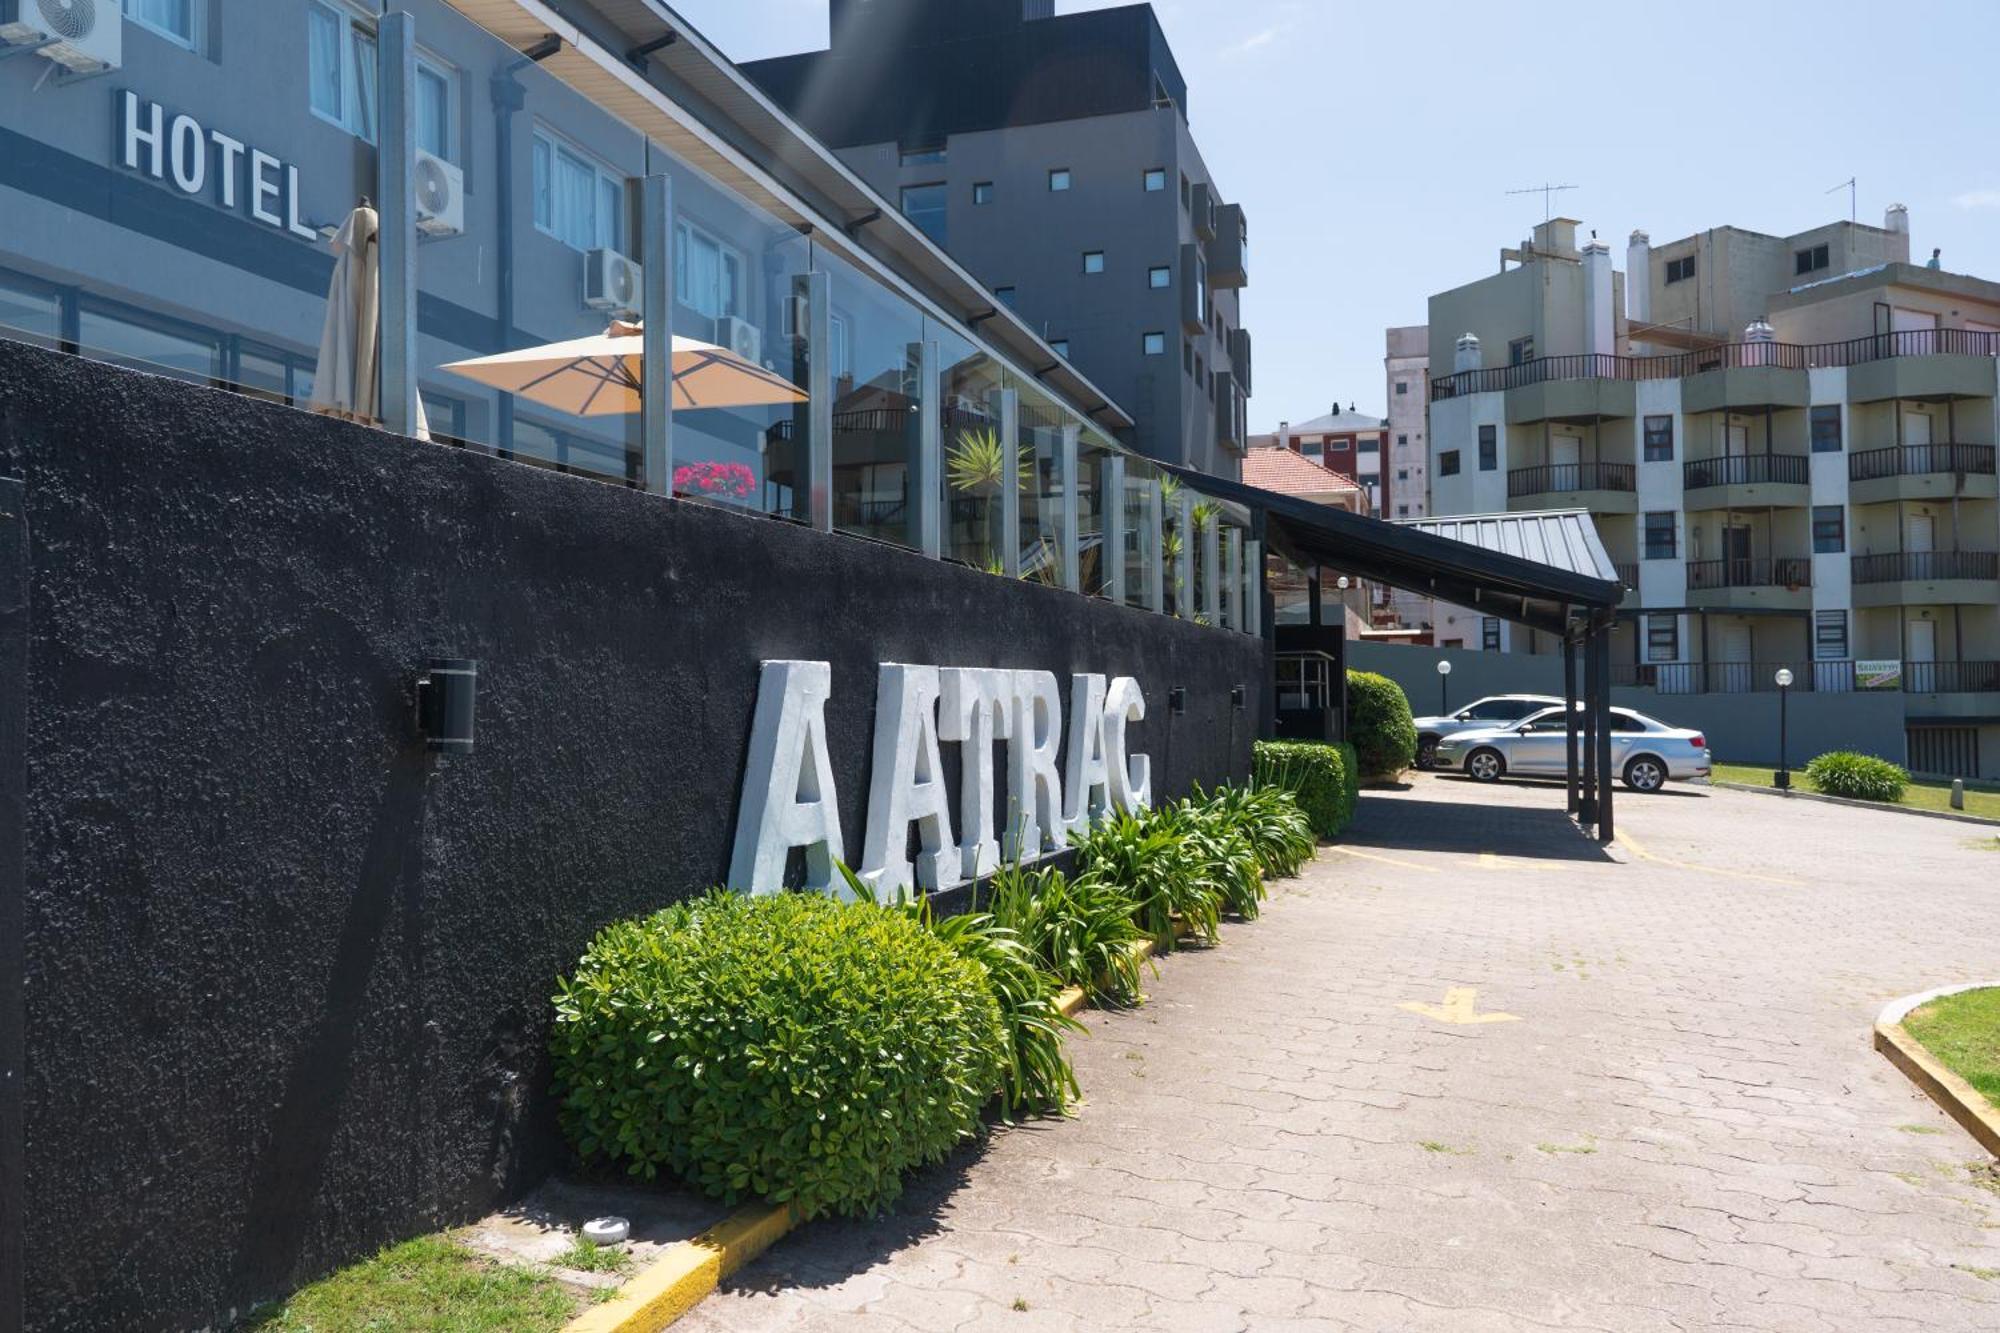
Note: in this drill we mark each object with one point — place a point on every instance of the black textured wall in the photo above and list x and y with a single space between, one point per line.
288 977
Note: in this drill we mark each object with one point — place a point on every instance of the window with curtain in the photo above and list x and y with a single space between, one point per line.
578 201
437 100
341 68
176 20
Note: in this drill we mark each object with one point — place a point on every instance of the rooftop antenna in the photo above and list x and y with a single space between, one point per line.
1853 215
1548 193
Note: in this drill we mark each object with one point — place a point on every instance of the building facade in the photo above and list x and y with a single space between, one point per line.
1351 443
1053 158
1812 490
1406 369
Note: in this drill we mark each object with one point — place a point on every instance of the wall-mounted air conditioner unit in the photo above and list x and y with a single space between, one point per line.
86 36
611 282
440 196
741 337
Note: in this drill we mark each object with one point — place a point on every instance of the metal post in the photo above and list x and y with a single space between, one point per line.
818 468
1010 484
1184 598
1784 775
1253 589
1113 546
1605 777
1211 569
656 350
396 185
1070 491
927 476
1155 538
1586 806
1232 580
1569 712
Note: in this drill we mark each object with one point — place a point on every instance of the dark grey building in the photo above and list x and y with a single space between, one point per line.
1052 157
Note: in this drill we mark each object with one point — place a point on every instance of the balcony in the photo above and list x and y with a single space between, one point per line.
1921 472
1817 677
1601 487
1743 584
1951 677
1902 578
1746 481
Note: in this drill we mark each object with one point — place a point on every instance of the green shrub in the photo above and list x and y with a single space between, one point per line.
1146 856
1080 929
1379 724
1268 816
1323 779
789 1047
1860 776
1220 852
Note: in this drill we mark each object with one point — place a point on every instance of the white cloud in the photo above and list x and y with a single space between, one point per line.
1258 40
1974 200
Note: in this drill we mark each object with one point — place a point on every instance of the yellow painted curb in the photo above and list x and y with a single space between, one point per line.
1072 999
1960 1100
686 1273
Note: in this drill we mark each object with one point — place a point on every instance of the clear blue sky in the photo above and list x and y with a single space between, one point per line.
1372 145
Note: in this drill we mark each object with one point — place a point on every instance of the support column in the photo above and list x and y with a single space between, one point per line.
1605 777
1570 716
1112 550
1211 569
1071 510
656 354
927 476
1010 484
817 470
1184 599
1586 808
1155 538
396 186
1253 588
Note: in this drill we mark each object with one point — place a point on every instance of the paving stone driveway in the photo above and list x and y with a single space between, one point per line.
1686 1128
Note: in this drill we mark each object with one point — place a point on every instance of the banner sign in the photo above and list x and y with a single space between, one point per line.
1878 674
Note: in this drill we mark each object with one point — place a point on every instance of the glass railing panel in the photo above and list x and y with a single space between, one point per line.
1093 502
1141 530
973 473
875 362
1041 424
163 220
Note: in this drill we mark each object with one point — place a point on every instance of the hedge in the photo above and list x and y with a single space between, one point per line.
1379 724
1861 777
1325 779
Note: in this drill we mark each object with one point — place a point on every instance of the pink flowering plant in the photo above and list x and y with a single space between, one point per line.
722 481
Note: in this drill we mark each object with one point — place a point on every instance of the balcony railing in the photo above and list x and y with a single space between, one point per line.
1781 572
1914 460
1925 566
1951 677
1551 477
1746 470
1815 677
1628 573
1729 356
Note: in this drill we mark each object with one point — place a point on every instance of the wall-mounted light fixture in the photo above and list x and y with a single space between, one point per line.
1177 700
447 695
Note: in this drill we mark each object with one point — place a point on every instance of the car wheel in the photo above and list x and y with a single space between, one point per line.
1645 774
1427 753
1485 765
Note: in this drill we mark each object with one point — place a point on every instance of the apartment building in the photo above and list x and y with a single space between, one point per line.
1052 156
1787 443
1352 443
1406 367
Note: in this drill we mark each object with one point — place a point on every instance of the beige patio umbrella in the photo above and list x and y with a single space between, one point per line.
599 375
345 379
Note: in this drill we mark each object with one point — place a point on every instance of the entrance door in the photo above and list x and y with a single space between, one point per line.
1919 533
1736 555
1921 644
1735 644
1732 671
1736 441
1916 428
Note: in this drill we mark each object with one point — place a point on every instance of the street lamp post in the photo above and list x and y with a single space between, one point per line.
1783 777
1444 675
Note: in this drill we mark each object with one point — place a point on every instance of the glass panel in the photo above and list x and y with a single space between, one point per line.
1291 596
876 404
1093 451
925 205
1042 422
323 86
133 339
1142 544
433 112
1175 541
974 468
28 314
363 110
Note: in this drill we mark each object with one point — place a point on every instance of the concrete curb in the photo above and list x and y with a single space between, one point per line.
1796 795
1960 1100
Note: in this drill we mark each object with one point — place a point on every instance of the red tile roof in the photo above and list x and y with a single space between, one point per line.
1290 473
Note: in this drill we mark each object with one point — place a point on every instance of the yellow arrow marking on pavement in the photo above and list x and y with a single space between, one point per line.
1638 849
1489 861
1457 1008
1390 861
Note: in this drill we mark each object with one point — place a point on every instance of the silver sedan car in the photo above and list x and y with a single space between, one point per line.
1644 750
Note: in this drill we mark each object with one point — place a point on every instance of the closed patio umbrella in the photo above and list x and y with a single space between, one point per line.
346 382
600 375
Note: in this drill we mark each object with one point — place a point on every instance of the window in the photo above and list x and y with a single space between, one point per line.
1663 638
578 200
1489 634
1489 448
1187 192
1520 351
1829 636
1659 535
1005 296
1059 179
1402 511
1187 356
1201 373
1060 346
1448 463
1093 261
1156 180
1659 440
179 21
1159 277
982 192
1680 270
709 275
925 206
1371 445
1810 260
1155 344
1829 529
1402 474
437 109
1826 429
1402 388
340 68
920 157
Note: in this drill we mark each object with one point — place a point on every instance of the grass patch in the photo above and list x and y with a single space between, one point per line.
1983 1274
1980 799
427 1285
1920 1129
587 1256
1432 1145
1963 1032
1583 1149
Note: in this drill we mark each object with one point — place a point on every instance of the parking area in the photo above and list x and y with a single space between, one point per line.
1471 1073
